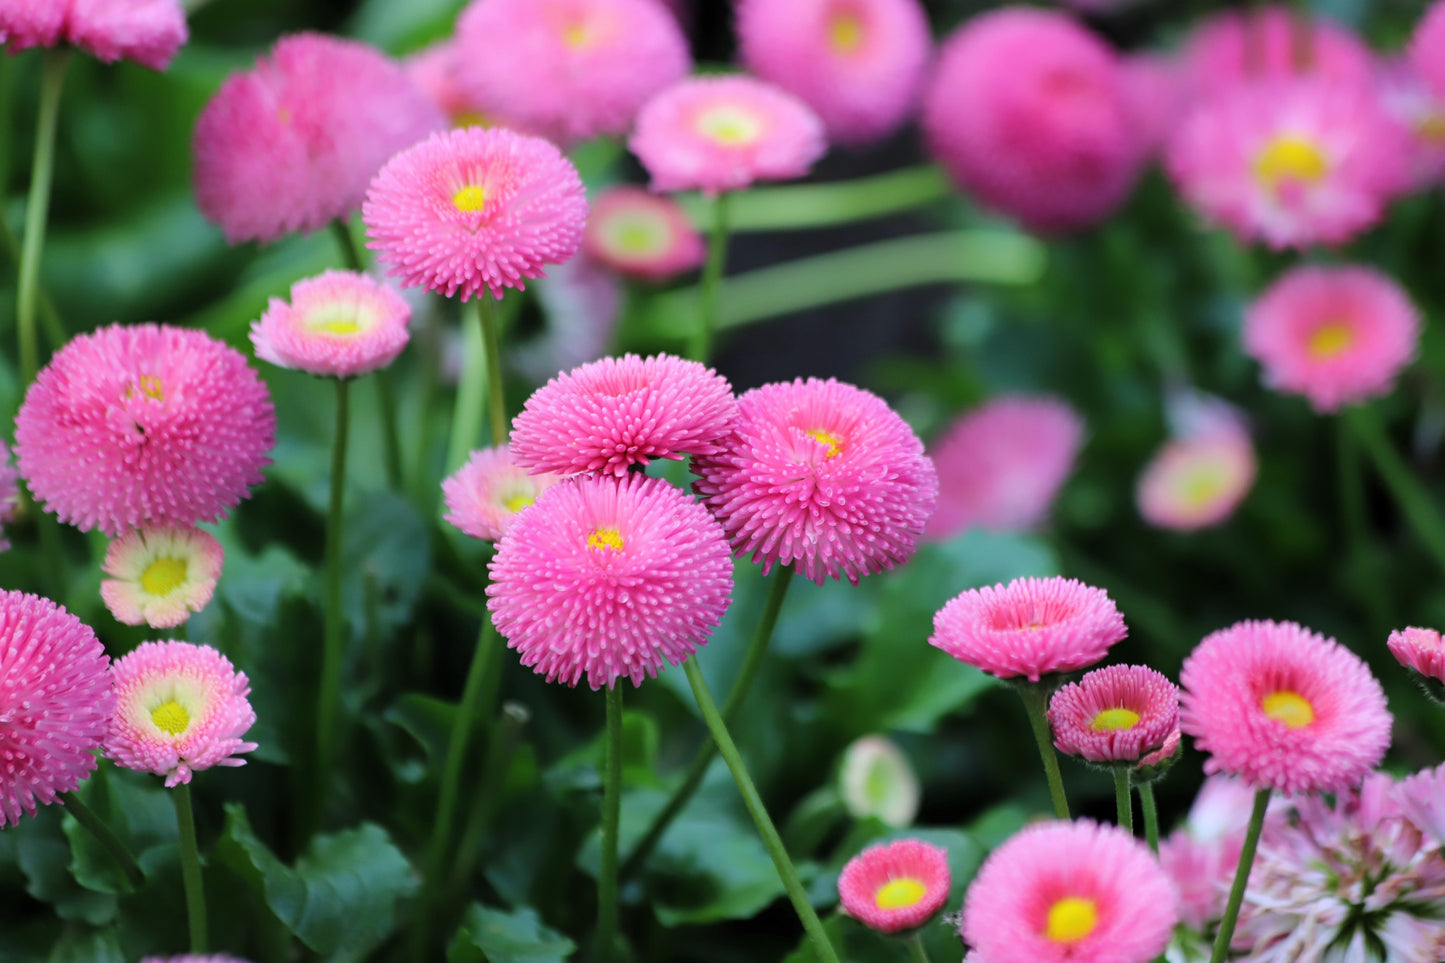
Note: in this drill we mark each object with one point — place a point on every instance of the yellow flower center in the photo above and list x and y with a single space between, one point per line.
899 893
845 32
171 717
1201 485
576 35
1330 340
831 441
515 503
638 236
469 199
1071 919
1111 720
471 118
163 576
334 320
1290 160
1291 708
1431 127
605 538
148 385
730 125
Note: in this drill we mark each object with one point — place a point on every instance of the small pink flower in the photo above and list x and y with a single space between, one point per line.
146 31
1271 43
1199 477
1420 650
484 496
159 576
1201 858
339 323
895 886
1119 713
1427 47
639 234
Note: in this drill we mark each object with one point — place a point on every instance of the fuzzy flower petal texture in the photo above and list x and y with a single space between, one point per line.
1263 43
1119 713
148 32
339 324
1283 708
55 702
606 578
1421 650
1417 108
179 708
144 425
9 493
639 234
1198 478
472 210
895 886
820 475
484 496
159 576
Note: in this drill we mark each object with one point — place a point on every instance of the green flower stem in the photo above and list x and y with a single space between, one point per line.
1151 815
799 206
1419 508
712 272
501 747
49 316
1036 696
470 399
329 699
708 751
1241 878
37 207
611 817
191 867
916 949
497 403
108 840
1123 799
754 803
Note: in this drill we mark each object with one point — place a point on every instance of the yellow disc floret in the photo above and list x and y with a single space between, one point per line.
1111 720
832 441
1071 919
1330 340
845 33
163 576
469 199
730 125
900 893
1290 160
1291 708
515 503
171 717
605 538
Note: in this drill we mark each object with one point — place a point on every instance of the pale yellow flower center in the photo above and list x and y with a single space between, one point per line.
832 442
1111 720
334 319
730 125
1291 708
1071 919
515 503
469 199
1202 485
1330 340
1290 160
605 538
171 717
1431 127
163 576
637 236
845 32
899 893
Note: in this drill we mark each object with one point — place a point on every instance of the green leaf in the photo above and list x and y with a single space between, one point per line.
428 720
78 946
138 809
490 935
387 549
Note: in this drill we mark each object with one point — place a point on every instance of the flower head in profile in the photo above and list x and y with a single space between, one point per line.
1200 476
1421 797
1423 652
876 780
159 576
1119 713
640 234
148 32
339 324
895 886
484 496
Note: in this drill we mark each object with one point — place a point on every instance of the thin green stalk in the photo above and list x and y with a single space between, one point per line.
108 840
191 867
501 747
708 751
497 403
717 256
1419 508
754 803
916 949
49 316
611 817
798 206
1035 697
332 651
37 207
1241 878
1151 815
470 398
351 252
1123 799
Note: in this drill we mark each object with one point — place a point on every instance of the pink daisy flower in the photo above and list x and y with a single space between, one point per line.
146 31
1000 466
820 475
1076 892
1199 478
1414 106
1266 43
473 209
858 63
618 412
1028 111
9 492
55 702
609 578
339 323
717 134
895 886
1337 335
876 780
159 576
1420 650
292 144
1119 713
639 234
1031 627
1427 48
144 425
568 69
180 708
1283 708
485 495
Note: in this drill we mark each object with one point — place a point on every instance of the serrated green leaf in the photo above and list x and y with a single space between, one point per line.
137 808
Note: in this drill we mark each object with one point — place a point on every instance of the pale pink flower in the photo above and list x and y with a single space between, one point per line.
146 31
159 576
485 495
339 324
897 886
1119 713
639 234
1199 477
1202 857
1427 47
1421 650
1270 42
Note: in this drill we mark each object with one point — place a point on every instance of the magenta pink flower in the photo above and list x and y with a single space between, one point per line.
858 63
609 578
292 144
1414 106
717 134
145 424
471 210
1264 43
146 31
9 493
1076 892
1427 47
159 576
1283 708
1028 111
1031 627
55 702
1157 97
895 886
1337 335
821 475
1198 478
339 323
1420 650
639 234
1119 713
484 496
180 708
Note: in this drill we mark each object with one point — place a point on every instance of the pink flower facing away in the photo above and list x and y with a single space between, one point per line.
895 886
609 578
1028 111
858 63
1283 708
820 475
717 134
1198 478
55 702
568 70
9 493
159 576
1119 713
484 496
144 425
1000 466
146 31
339 323
291 144
1420 650
180 708
618 412
1271 43
1337 335
639 234
1414 106
1078 892
1427 48
471 210
1031 627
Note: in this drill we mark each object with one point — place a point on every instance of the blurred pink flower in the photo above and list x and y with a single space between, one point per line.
640 234
146 31
9 493
1199 477
1427 48
1420 650
1271 42
1419 110
485 495
581 304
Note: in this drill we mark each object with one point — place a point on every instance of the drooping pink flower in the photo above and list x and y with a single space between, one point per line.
1337 335
717 134
159 576
1076 892
146 31
639 234
484 496
9 493
1427 47
609 578
180 708
144 425
471 210
1028 112
1414 106
1119 713
1271 42
581 305
895 886
1200 476
1420 650
55 702
858 63
820 475
1031 627
1283 708
339 323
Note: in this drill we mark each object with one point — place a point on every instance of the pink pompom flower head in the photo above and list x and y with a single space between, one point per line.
1427 47
471 210
639 234
1062 892
339 324
820 475
609 578
55 702
484 496
1283 708
1337 335
1198 478
1117 714
148 32
179 708
159 576
144 425
618 412
717 134
1422 651
895 887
